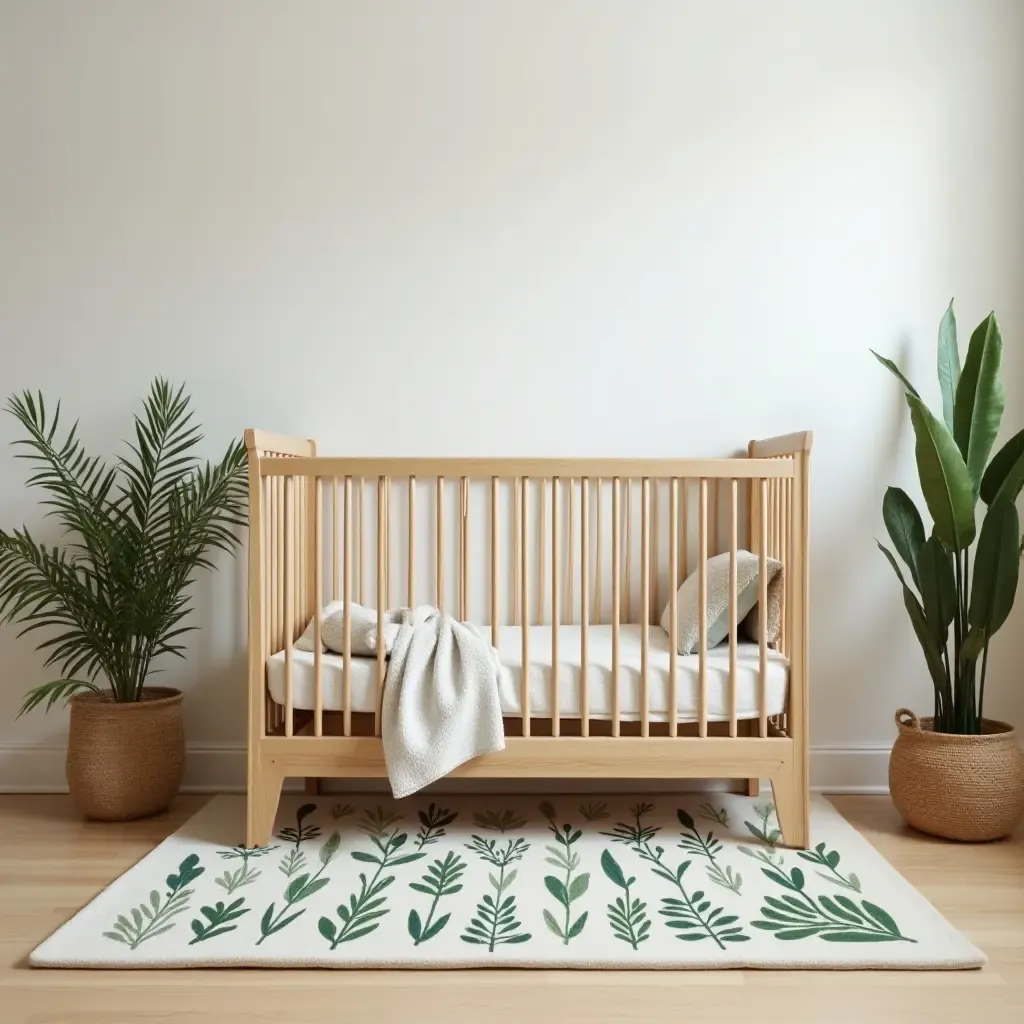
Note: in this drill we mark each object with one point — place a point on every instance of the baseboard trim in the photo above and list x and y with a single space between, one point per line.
220 768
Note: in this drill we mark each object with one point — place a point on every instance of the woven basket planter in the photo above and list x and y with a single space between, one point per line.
126 760
969 788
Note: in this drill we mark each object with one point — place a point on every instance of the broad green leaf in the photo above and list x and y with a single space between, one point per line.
557 889
895 371
996 568
553 925
414 925
684 819
1009 460
611 868
578 924
579 886
948 363
947 487
330 848
903 522
881 916
436 927
938 588
932 651
973 645
980 398
899 575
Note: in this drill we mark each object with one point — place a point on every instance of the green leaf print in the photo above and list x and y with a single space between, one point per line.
709 812
361 914
767 836
569 889
298 889
441 879
796 915
708 846
156 917
244 874
594 812
626 915
692 917
217 918
432 825
495 923
295 860
495 821
829 859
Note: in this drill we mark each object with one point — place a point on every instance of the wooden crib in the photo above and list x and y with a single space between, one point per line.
582 547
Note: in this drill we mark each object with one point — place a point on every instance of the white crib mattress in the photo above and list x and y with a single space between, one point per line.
599 676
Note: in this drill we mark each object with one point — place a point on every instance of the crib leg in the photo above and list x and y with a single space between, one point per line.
312 787
753 787
264 794
792 806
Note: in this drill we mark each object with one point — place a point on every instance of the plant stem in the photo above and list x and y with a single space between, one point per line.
430 918
981 690
497 904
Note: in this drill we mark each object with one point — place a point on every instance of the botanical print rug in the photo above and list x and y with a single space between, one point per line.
668 881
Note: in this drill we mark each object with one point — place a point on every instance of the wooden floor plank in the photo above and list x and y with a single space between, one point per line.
51 863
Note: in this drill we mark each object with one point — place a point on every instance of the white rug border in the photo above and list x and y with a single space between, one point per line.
972 957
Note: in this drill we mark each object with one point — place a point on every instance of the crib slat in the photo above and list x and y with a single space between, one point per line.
787 556
362 554
387 542
598 544
381 527
524 550
517 574
411 568
346 684
439 547
733 610
629 550
463 568
335 537
656 582
673 631
494 560
555 609
318 602
616 557
570 552
289 598
584 601
542 580
276 544
685 553
762 609
702 606
645 588
713 550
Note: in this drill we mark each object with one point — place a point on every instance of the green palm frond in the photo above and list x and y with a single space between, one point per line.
116 596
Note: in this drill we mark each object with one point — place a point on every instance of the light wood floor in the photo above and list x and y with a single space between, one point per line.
51 863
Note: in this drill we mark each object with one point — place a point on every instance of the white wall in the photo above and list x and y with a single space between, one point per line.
660 227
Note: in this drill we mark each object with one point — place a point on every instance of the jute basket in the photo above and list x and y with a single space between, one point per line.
969 788
126 760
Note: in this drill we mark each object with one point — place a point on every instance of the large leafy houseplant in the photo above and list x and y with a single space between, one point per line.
957 604
115 596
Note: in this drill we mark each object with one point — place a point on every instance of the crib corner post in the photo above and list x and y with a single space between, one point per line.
264 794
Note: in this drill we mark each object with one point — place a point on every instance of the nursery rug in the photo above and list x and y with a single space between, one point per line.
687 881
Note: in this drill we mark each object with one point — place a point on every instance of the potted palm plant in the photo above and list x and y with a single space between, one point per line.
956 773
114 598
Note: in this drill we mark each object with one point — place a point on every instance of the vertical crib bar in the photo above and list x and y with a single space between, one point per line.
381 526
524 551
517 515
346 649
362 553
465 549
787 557
387 543
276 544
597 555
462 549
584 601
410 586
685 553
318 602
616 557
629 550
555 609
713 550
439 547
733 611
542 486
762 609
570 552
645 588
673 630
702 606
289 598
335 537
654 546
494 560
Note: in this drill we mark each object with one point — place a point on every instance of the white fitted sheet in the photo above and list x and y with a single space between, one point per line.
599 677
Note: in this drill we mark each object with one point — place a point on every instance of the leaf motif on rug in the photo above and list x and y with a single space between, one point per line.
495 922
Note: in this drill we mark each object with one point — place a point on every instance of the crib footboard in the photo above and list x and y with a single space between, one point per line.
591 549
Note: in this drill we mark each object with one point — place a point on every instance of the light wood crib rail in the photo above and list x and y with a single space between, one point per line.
589 549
